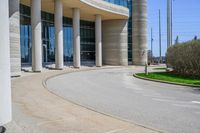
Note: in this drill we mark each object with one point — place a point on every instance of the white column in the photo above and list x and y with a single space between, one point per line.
59 33
76 38
5 87
36 35
98 37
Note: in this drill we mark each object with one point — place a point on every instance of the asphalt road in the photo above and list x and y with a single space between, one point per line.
164 107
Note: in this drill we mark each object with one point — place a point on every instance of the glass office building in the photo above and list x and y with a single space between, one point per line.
87 34
76 32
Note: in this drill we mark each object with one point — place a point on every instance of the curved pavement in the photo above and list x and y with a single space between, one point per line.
167 108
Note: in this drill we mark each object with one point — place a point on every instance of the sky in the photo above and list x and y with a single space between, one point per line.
186 22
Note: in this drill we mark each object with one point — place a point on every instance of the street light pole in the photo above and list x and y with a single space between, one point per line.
160 61
169 23
151 45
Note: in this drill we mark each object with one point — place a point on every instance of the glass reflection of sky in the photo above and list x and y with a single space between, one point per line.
87 37
118 2
87 34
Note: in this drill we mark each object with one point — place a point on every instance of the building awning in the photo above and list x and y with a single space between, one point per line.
88 8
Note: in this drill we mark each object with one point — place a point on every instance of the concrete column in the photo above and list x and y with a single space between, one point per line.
76 38
115 42
15 55
36 35
59 33
98 37
5 87
139 32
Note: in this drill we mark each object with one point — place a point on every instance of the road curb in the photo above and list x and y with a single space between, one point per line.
166 82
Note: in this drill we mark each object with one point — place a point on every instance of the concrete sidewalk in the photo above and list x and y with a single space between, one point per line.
36 110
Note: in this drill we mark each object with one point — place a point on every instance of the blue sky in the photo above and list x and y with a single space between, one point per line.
186 21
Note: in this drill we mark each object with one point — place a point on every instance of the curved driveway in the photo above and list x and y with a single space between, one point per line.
167 108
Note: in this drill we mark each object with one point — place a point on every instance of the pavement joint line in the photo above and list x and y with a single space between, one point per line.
135 89
44 83
162 100
178 103
49 121
114 131
185 106
138 92
163 97
196 102
158 96
153 96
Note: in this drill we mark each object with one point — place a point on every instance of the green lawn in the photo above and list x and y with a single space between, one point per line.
170 77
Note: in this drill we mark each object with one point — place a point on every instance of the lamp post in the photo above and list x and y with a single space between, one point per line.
169 23
151 45
160 42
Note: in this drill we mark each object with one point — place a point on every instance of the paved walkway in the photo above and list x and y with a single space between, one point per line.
168 108
36 110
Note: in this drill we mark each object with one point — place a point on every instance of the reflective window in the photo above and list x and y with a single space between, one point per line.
119 2
48 37
87 36
68 39
25 34
130 31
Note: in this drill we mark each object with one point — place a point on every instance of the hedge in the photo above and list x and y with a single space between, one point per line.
184 58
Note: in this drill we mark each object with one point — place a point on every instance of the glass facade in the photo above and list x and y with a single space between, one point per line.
119 2
130 31
25 34
68 40
87 36
48 37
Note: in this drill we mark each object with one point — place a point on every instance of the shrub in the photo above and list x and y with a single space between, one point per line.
184 58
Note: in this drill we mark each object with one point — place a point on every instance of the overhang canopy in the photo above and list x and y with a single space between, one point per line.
88 8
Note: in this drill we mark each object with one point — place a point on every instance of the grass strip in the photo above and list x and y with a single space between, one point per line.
171 77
